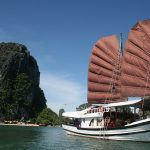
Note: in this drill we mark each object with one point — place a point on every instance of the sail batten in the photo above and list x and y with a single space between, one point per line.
103 55
101 71
135 57
102 96
135 91
92 86
100 62
99 78
130 80
134 71
104 48
141 50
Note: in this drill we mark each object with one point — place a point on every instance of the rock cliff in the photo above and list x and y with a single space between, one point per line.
20 94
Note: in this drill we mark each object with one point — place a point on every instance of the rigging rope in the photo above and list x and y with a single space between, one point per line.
116 72
147 79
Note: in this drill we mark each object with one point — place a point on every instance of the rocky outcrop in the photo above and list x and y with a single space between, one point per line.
20 95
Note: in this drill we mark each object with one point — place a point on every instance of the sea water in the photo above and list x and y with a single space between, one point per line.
51 138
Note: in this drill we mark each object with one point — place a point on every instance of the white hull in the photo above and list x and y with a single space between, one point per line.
137 131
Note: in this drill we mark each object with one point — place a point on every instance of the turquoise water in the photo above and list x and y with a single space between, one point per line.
47 138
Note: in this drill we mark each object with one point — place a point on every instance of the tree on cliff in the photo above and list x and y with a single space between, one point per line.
22 86
48 117
61 111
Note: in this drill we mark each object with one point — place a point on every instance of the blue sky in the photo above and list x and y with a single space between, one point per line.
60 35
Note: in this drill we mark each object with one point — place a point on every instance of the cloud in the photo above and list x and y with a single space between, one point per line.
62 92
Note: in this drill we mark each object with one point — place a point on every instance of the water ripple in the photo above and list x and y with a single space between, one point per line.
45 138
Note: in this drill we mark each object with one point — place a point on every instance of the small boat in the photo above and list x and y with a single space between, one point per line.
114 76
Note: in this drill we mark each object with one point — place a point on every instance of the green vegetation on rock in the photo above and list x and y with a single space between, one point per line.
20 94
48 117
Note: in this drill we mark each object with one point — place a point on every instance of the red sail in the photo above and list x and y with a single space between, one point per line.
104 71
135 76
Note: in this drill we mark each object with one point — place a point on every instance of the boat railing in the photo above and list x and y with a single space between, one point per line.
99 109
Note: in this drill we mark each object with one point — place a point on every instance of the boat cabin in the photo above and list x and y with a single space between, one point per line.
106 116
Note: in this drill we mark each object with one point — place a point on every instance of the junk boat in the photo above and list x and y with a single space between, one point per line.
114 76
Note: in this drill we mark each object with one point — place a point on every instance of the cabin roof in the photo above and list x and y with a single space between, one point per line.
119 104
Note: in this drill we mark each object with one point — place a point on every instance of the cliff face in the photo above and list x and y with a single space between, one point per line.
20 95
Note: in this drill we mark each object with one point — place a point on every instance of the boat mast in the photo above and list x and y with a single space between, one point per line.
120 44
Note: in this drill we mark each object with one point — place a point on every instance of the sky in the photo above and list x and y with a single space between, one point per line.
60 34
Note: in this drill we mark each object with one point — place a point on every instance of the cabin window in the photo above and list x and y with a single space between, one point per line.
91 122
95 110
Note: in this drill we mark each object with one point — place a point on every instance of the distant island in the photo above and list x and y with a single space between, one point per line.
21 98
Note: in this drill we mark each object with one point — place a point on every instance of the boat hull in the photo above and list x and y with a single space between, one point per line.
134 132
